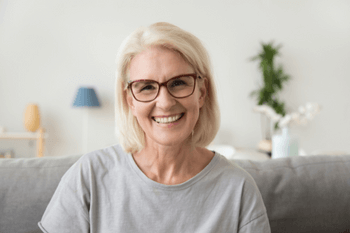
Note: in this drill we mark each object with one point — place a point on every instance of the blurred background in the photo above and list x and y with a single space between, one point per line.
48 49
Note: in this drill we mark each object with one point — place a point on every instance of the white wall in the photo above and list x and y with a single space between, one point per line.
49 48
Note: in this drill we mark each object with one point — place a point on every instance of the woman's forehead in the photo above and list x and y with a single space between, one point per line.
158 62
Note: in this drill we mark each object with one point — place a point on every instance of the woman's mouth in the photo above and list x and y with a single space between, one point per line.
168 120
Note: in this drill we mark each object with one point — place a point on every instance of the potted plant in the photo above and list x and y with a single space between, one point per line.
273 80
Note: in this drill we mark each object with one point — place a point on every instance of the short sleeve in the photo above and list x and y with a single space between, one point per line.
253 215
259 224
68 210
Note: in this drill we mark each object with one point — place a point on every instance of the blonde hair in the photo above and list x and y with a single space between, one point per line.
131 136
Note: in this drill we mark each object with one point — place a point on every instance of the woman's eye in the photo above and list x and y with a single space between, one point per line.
178 83
148 87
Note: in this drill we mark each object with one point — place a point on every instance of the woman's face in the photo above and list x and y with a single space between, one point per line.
161 64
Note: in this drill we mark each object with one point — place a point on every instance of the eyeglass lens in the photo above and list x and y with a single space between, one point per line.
147 90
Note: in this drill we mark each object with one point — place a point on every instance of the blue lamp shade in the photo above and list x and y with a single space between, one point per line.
86 97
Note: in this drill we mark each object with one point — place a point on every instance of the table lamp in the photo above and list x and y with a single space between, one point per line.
85 98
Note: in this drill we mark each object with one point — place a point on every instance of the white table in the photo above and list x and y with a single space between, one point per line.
251 154
239 153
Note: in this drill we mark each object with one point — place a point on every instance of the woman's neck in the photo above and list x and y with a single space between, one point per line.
172 164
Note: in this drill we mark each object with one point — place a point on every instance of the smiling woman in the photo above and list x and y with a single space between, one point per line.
162 64
192 52
161 178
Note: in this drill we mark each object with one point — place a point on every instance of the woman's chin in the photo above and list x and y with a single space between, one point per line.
170 139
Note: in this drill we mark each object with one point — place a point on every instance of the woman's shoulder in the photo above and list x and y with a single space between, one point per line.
110 154
229 170
252 208
235 179
101 160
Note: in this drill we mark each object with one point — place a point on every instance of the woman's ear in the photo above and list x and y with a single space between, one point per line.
204 87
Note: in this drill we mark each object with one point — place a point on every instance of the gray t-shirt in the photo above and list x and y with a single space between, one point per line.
105 191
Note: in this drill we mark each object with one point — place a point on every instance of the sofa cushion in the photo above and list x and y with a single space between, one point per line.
301 194
304 193
26 189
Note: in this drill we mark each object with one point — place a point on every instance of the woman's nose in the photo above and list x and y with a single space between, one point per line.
164 99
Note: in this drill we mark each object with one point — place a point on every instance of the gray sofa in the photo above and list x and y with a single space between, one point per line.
301 194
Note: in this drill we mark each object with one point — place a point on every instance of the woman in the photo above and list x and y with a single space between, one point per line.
161 178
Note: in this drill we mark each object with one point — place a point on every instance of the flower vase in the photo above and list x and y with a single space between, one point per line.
284 145
265 144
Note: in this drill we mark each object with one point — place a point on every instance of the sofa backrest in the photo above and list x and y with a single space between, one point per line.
305 193
301 194
26 187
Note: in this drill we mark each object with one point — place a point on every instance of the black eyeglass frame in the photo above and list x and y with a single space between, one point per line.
195 76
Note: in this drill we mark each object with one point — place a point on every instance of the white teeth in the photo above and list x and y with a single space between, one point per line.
165 120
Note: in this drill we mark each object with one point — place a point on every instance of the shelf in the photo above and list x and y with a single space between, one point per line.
39 136
30 136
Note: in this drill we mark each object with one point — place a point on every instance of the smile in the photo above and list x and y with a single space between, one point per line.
167 120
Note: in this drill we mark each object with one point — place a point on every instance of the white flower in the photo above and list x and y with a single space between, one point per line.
309 116
276 117
305 113
301 109
310 106
313 108
268 111
285 121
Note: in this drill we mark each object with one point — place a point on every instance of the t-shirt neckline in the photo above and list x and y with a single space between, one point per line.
181 186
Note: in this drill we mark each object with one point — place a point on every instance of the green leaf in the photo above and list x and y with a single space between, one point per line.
273 76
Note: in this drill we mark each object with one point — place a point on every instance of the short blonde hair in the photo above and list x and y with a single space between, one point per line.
131 136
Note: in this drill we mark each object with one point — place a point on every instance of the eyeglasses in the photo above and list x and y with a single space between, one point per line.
146 90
